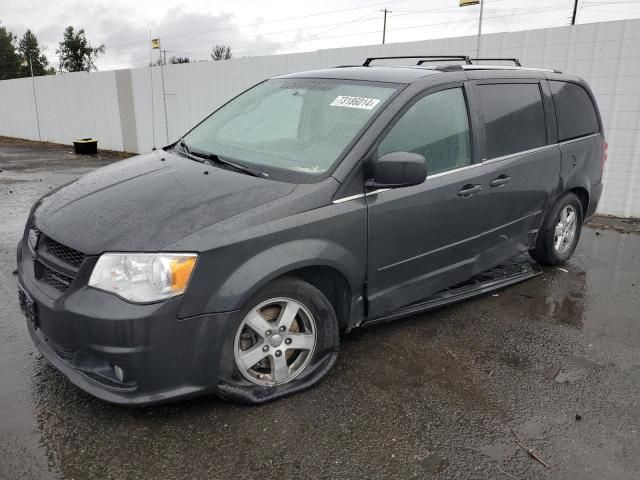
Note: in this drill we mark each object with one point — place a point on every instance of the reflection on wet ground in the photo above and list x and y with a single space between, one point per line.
556 359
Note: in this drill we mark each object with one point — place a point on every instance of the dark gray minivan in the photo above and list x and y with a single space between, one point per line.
231 261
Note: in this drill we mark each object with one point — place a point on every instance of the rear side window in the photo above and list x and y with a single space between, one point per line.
436 127
575 111
514 117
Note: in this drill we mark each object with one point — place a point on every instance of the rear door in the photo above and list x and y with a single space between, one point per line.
426 237
521 159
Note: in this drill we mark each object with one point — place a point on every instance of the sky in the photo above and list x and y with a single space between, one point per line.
261 27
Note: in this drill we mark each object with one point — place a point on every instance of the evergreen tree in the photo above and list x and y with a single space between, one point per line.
29 49
9 58
179 60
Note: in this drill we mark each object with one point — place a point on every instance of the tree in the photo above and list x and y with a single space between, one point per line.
76 53
179 60
221 52
9 58
29 49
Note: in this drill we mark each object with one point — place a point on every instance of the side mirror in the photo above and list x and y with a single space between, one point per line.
398 169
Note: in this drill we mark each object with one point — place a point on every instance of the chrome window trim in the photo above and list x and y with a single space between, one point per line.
382 190
479 164
584 137
351 197
454 170
519 154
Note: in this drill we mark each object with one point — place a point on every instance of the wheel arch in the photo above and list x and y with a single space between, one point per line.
583 195
335 271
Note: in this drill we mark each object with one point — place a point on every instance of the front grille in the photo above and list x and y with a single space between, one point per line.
57 280
64 253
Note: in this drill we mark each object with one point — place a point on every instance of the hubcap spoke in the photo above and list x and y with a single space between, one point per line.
249 358
559 230
563 216
279 368
257 323
571 217
287 315
558 242
301 341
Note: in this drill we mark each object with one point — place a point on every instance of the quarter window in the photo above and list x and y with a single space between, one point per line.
513 116
575 111
436 127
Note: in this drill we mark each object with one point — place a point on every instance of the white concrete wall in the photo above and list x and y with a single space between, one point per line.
80 104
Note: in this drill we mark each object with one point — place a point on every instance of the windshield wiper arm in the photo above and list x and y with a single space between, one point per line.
213 157
202 157
186 151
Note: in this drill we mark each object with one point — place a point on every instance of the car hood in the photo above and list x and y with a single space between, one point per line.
148 202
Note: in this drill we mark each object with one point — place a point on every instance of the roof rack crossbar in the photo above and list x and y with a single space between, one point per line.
496 59
464 58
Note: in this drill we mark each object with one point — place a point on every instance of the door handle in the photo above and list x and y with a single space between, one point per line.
469 189
500 181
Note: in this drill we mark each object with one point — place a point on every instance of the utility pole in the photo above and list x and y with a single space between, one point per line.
384 24
164 96
575 12
35 100
153 116
479 30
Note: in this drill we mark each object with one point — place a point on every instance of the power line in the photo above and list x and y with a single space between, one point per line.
257 24
404 28
296 29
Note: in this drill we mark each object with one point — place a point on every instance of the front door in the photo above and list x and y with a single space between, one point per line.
425 238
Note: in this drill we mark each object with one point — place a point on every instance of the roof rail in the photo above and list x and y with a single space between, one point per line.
464 58
454 68
514 60
471 60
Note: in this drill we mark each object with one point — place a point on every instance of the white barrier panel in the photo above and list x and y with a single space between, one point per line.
108 106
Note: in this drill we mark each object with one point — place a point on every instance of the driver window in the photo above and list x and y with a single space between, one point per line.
436 127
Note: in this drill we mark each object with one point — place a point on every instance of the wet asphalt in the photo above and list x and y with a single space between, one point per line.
553 362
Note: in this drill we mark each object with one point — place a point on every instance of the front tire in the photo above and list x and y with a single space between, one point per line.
560 231
284 340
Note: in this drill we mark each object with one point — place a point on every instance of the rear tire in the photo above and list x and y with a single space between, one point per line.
558 237
284 340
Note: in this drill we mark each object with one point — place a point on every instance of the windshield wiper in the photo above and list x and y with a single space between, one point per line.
186 151
215 158
202 156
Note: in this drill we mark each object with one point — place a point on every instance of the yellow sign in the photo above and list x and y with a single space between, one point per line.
155 43
467 3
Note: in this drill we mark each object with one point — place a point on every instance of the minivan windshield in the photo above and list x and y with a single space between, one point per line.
300 125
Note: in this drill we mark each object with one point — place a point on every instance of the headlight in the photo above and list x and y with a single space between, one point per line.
143 277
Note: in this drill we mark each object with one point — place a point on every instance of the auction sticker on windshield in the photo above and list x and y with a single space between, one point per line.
355 102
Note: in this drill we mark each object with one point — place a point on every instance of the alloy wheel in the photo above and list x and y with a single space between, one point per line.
275 341
565 230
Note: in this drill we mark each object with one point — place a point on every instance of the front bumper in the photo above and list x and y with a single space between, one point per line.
86 332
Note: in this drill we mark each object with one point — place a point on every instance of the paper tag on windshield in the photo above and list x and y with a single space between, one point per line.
355 102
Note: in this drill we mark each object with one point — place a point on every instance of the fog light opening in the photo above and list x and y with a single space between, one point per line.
119 373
